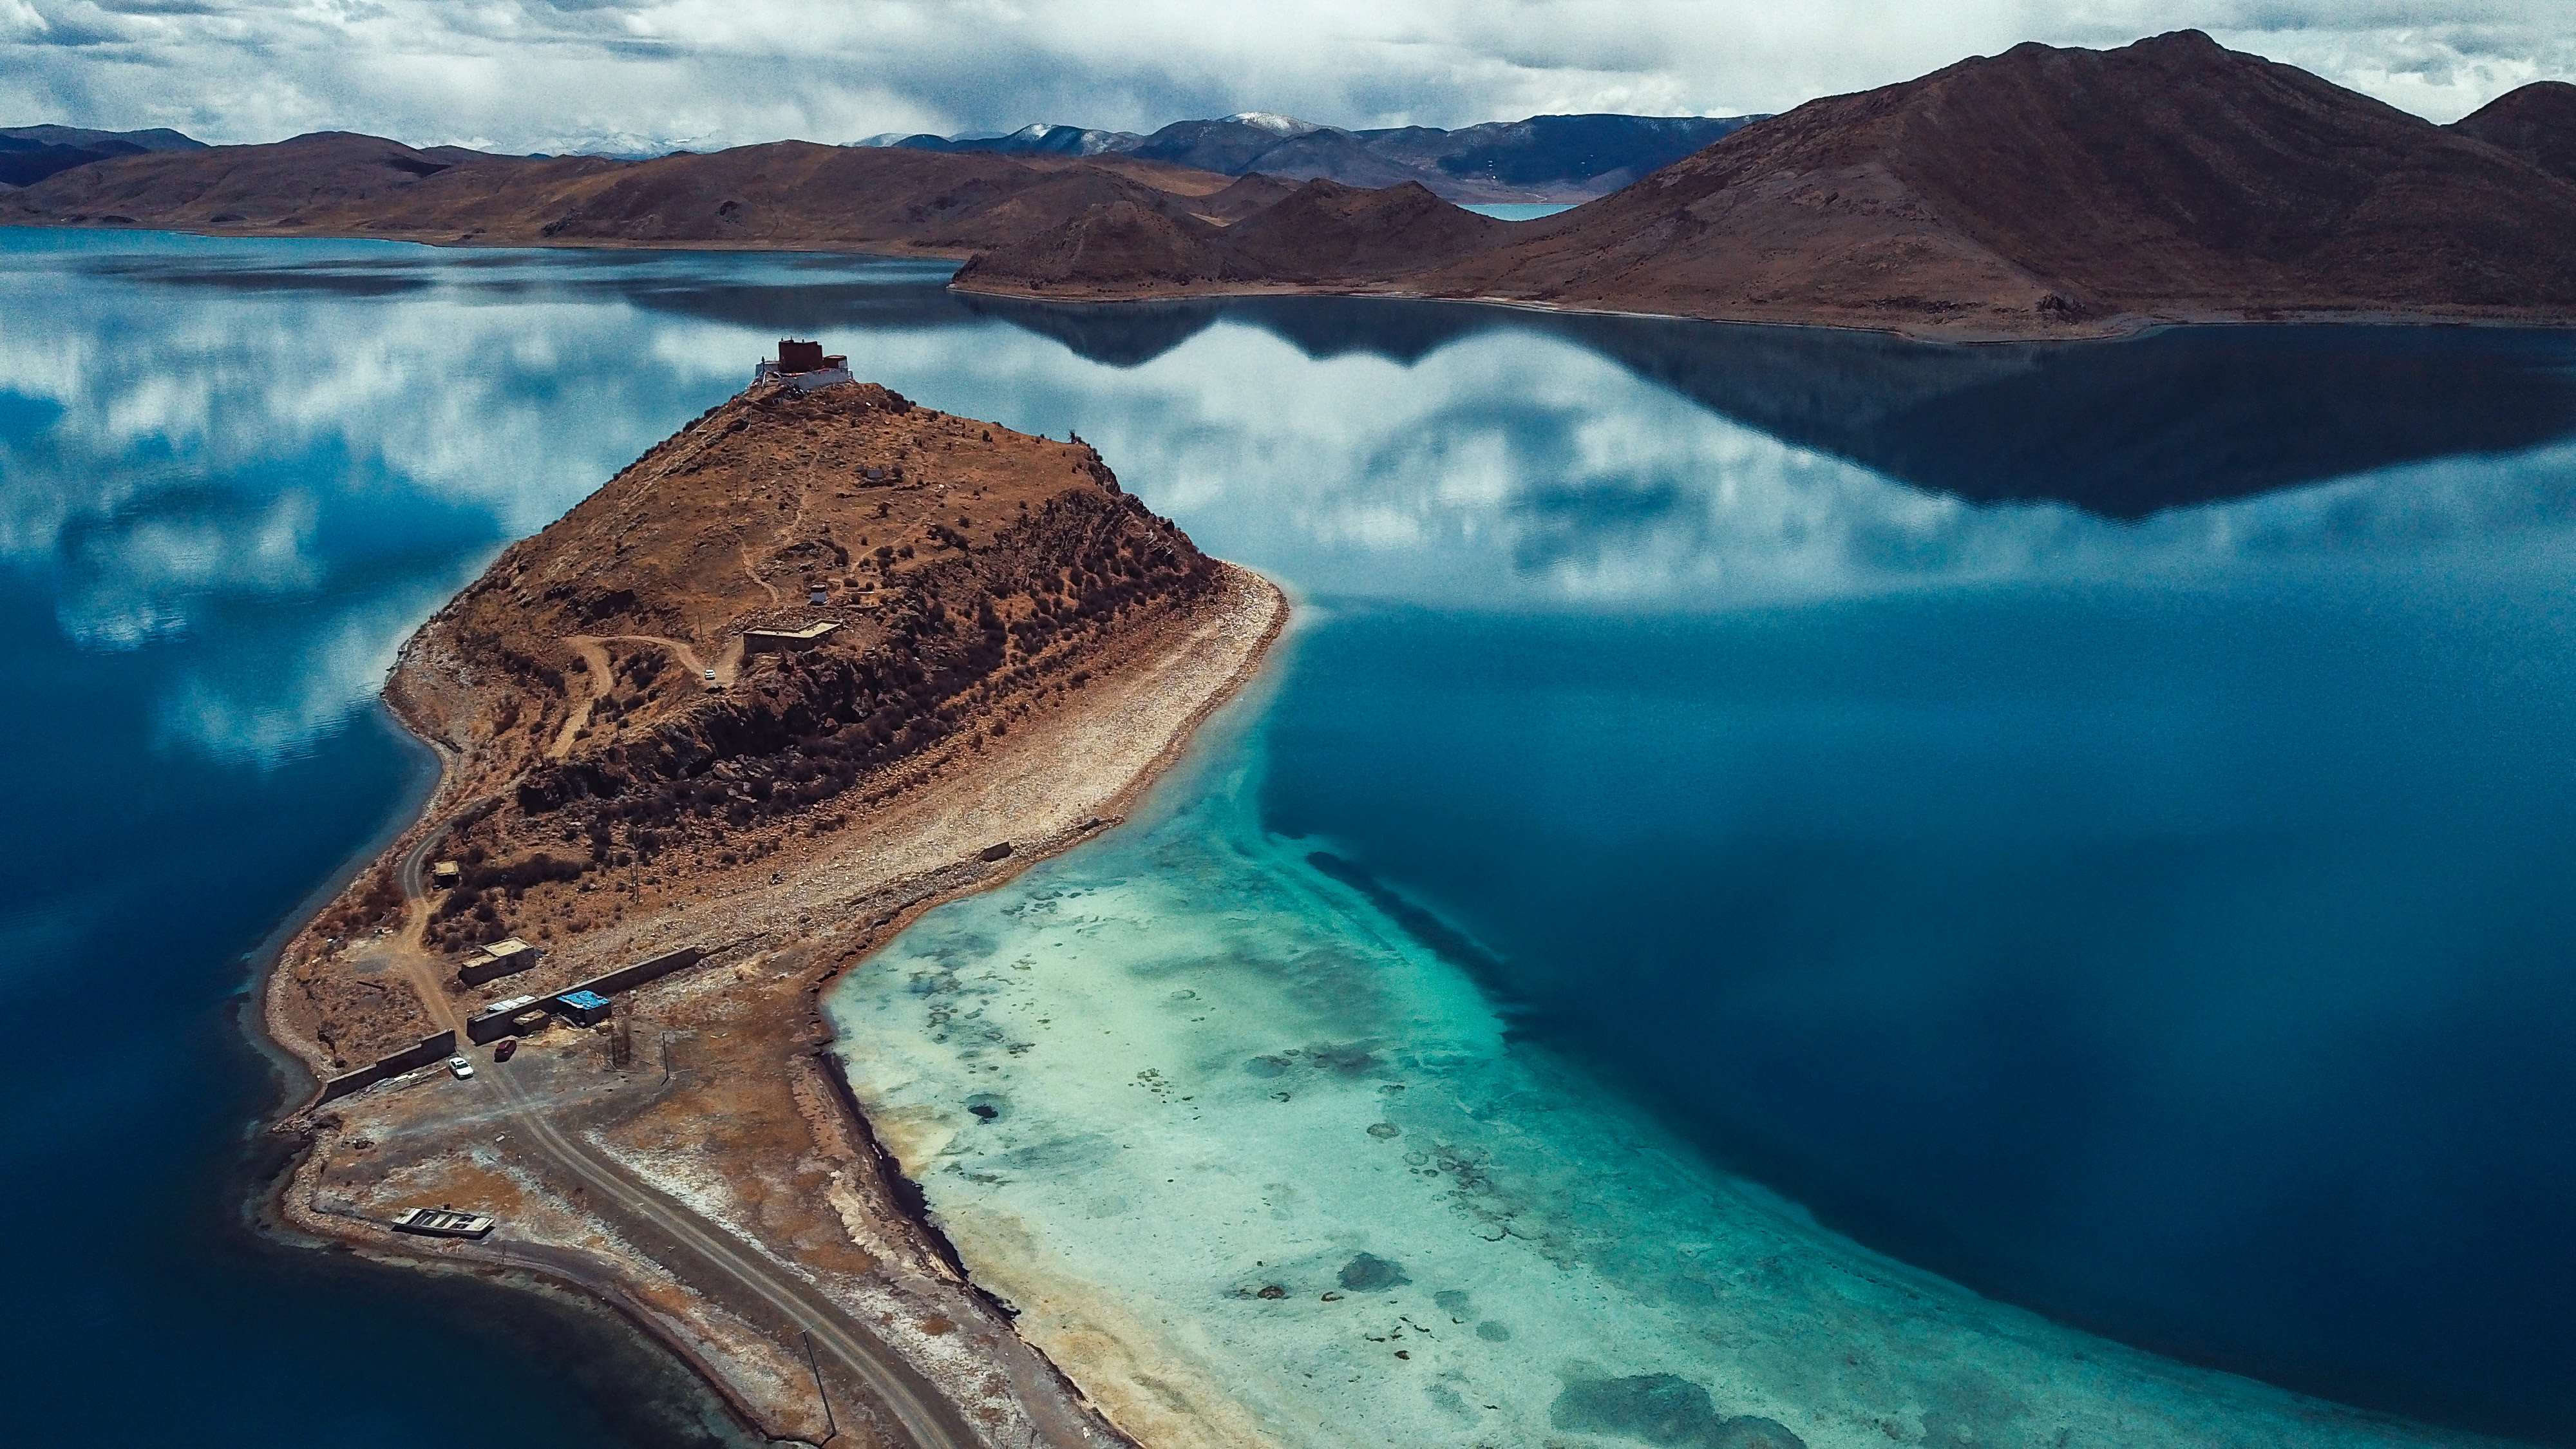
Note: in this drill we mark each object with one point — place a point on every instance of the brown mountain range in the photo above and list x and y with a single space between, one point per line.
2171 177
788 194
2043 190
1322 235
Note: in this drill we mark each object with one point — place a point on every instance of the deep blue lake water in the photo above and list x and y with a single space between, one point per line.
2093 822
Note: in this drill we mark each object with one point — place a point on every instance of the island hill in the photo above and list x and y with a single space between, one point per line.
2041 193
816 662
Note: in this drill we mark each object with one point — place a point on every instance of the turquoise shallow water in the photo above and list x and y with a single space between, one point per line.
1207 1093
2153 923
2084 820
1518 210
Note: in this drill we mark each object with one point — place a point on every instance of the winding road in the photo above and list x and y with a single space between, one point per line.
924 1417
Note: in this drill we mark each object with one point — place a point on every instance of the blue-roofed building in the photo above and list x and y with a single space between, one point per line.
582 1008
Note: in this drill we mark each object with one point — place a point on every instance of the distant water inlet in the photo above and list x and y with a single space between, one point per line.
1259 1162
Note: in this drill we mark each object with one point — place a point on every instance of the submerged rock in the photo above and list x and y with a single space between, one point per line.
1752 1431
1664 1409
1368 1272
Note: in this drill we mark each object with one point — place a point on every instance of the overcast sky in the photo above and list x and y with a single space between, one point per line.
632 75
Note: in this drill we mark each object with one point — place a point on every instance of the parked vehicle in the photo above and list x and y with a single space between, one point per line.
508 1048
460 1067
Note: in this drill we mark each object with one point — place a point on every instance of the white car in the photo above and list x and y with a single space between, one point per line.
461 1067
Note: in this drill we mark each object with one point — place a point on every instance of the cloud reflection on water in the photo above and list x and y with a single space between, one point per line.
312 442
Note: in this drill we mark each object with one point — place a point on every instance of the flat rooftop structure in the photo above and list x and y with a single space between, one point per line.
582 1008
501 958
495 1020
771 641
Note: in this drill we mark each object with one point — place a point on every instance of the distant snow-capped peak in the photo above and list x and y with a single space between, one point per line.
1274 123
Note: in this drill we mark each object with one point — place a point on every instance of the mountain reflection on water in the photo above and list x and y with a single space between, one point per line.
1718 607
2122 428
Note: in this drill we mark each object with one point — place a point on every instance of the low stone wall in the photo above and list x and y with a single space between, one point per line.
437 1046
626 978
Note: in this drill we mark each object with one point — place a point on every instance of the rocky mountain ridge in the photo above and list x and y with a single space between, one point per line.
1540 159
2536 122
2041 192
29 154
788 194
2044 191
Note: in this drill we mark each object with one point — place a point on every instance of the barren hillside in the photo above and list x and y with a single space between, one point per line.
2044 187
969 574
1323 235
2536 123
788 194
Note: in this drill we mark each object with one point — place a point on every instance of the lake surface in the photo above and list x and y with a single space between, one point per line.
1518 210
2091 823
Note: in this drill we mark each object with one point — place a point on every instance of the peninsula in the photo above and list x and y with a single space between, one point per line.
815 663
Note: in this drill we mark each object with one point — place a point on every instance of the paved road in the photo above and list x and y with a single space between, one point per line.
924 1417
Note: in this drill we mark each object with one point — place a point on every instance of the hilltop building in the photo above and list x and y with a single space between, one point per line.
804 366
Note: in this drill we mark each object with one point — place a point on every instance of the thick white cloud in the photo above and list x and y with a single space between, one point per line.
640 74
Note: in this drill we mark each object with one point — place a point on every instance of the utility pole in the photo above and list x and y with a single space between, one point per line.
831 1430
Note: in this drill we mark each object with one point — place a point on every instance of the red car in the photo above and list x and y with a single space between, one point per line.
509 1045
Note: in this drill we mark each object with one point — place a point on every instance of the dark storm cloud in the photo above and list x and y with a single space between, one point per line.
643 74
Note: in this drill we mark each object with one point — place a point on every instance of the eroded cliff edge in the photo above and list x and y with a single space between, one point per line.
811 665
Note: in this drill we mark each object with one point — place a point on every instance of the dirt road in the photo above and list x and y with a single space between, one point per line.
600 678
